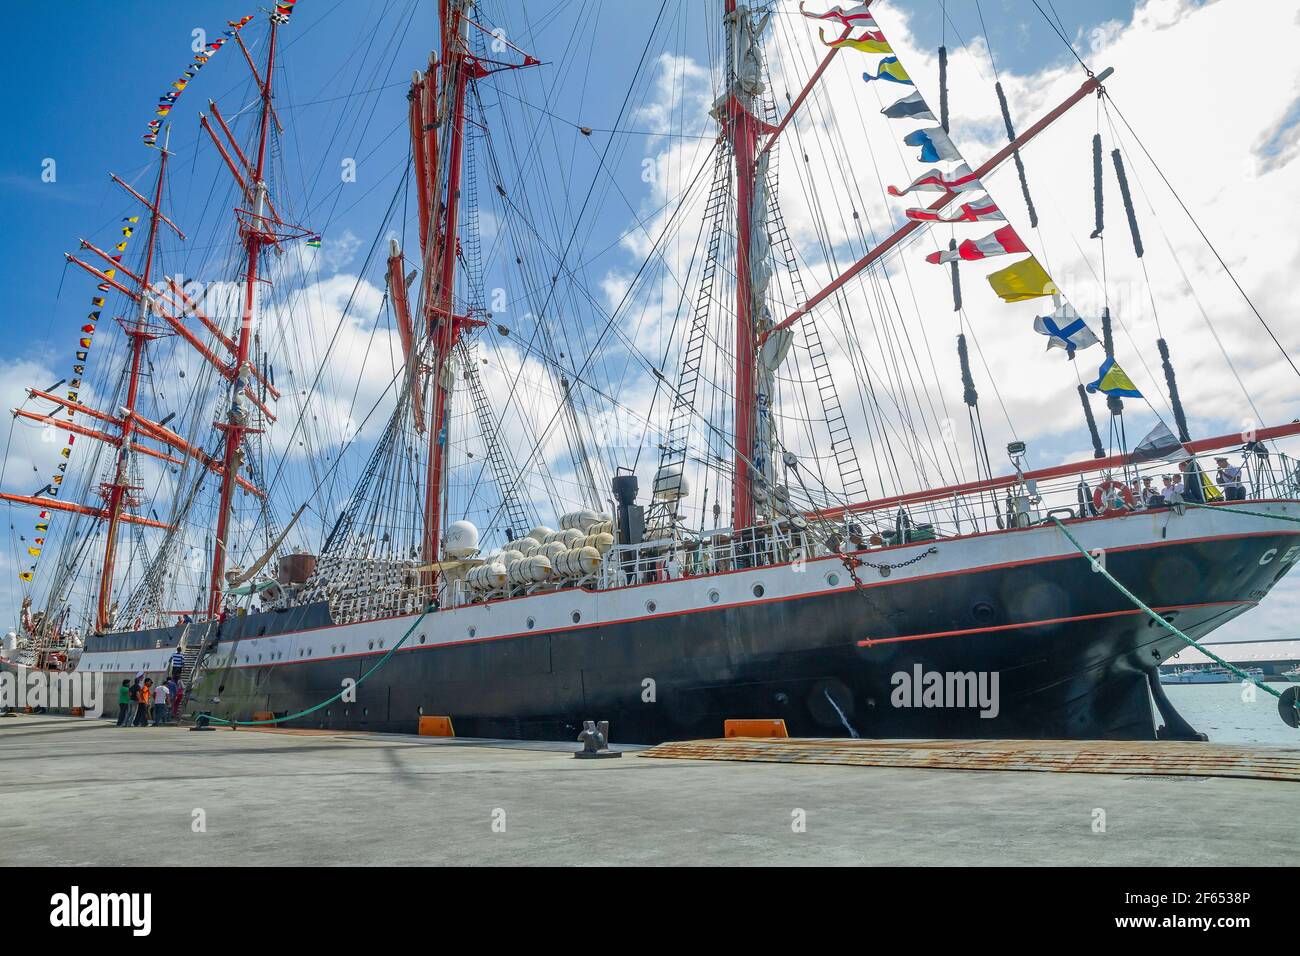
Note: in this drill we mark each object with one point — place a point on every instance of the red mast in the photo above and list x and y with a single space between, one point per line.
255 228
442 323
116 493
439 221
742 130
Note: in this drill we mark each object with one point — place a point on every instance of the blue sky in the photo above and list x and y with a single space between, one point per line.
82 77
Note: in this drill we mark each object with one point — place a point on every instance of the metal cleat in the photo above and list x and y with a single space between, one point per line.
595 740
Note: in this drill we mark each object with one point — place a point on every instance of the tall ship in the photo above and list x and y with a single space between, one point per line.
757 473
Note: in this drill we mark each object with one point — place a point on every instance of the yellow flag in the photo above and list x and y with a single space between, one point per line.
1022 280
869 43
34 552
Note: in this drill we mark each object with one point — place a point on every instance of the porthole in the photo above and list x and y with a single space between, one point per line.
365 711
421 638
381 645
833 579
650 607
529 623
473 631
371 645
420 710
759 590
713 597
576 617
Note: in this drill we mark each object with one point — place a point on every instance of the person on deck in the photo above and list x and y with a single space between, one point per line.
123 702
1135 489
1229 478
1173 489
1150 496
1193 487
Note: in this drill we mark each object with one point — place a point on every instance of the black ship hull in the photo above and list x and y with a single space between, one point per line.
1071 656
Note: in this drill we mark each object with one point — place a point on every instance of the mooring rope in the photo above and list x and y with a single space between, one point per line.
1240 511
1167 625
325 703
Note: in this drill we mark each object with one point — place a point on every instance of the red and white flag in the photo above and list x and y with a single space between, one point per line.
999 243
855 16
981 210
960 180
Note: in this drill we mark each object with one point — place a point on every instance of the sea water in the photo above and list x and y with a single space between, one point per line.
1234 713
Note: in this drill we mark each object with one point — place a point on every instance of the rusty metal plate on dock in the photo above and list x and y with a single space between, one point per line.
1158 758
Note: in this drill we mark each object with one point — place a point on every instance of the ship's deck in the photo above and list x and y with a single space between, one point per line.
85 792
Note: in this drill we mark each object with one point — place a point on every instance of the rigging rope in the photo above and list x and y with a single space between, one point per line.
1179 199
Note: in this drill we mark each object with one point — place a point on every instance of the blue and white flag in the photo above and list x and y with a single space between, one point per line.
1065 330
935 144
912 106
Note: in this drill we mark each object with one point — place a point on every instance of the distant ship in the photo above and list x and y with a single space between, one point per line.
1209 675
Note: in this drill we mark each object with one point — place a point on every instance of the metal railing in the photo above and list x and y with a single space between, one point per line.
383 590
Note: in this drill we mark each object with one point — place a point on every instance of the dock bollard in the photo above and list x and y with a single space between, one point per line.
595 740
201 721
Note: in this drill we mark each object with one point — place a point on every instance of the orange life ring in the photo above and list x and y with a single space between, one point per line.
1100 494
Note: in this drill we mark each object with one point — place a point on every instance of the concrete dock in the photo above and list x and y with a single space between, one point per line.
78 791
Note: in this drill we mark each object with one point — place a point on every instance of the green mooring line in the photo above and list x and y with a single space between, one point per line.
325 703
1227 506
1168 626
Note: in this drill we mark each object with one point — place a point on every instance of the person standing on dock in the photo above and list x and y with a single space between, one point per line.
178 695
146 702
123 702
137 712
161 697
